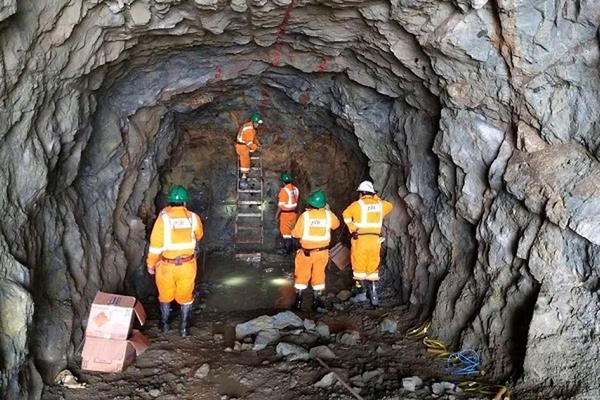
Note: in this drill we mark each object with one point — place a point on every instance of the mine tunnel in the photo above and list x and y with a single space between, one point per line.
477 120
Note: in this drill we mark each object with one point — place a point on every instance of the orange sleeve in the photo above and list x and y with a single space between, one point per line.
348 216
251 138
387 207
255 139
282 198
335 222
157 238
299 227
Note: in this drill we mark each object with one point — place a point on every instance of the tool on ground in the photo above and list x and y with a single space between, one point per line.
340 380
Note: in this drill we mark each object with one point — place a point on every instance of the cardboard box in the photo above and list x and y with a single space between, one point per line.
111 316
340 255
108 355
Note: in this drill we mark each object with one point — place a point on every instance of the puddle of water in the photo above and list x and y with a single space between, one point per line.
232 286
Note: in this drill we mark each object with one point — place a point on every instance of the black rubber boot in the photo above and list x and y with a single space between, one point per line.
360 292
288 246
374 296
165 311
317 300
298 301
184 328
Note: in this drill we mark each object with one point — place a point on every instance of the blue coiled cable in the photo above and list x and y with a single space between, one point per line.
464 362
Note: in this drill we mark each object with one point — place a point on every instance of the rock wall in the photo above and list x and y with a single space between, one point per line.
477 118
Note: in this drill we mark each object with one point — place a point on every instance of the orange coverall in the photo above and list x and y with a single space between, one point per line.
174 235
365 217
288 201
246 143
314 231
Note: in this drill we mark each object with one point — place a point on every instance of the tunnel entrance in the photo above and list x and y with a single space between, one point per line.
297 138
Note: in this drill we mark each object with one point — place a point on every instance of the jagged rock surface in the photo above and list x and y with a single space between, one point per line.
478 119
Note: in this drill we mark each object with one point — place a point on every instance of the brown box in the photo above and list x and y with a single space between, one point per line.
340 255
108 355
111 316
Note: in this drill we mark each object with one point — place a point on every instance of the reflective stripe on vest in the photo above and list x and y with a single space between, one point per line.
176 223
292 200
316 223
240 136
365 210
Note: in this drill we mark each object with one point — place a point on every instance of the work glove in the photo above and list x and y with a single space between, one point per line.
354 235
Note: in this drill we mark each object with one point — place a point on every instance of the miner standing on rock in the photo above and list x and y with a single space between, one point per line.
171 257
313 229
246 143
364 219
286 211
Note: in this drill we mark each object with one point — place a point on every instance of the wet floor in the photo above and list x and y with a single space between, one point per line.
227 285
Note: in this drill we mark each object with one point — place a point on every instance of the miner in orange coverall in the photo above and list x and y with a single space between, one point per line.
313 229
286 211
171 257
246 143
364 219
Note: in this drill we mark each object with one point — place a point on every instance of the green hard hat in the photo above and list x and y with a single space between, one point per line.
317 199
255 118
178 195
286 178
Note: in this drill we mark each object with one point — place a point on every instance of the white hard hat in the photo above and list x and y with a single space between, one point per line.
366 186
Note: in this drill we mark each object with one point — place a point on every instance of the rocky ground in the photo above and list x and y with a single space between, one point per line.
271 353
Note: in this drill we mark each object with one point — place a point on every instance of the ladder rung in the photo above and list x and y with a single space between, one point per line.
247 241
249 214
255 158
249 190
255 168
249 228
250 202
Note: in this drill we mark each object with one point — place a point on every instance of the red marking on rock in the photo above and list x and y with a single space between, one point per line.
304 98
286 19
218 73
275 57
322 65
264 100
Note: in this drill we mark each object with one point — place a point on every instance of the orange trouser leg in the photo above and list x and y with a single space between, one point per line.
287 221
310 269
165 282
185 279
176 282
364 256
302 270
319 263
244 152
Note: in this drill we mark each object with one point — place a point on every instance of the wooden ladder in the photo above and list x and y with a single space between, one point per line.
249 214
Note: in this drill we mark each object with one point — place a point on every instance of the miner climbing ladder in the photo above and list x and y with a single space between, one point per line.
249 214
